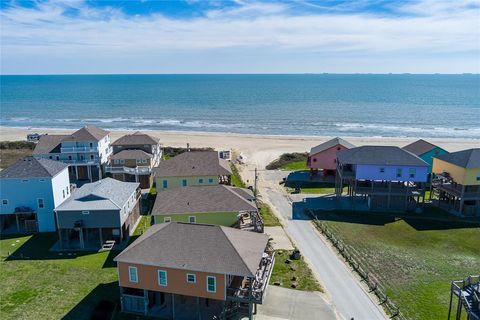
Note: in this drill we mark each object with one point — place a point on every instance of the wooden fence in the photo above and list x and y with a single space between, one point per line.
353 259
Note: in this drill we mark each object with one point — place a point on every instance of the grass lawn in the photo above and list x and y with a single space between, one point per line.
295 272
38 284
290 162
415 260
236 178
294 166
269 218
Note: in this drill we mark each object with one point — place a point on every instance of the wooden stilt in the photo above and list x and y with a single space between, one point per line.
18 223
173 306
100 236
60 240
80 235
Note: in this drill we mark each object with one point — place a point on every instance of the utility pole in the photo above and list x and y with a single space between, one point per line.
255 185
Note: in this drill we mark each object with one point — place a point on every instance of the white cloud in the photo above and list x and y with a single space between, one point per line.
428 36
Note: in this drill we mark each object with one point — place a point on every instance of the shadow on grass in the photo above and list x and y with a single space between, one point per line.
102 293
37 248
302 179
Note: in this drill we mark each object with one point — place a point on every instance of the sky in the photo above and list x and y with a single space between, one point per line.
240 36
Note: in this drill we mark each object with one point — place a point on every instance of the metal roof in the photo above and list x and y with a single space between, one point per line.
105 194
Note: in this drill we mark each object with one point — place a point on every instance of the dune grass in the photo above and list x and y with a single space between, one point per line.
414 259
269 218
290 162
236 179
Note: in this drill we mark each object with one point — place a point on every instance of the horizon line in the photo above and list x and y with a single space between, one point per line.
288 73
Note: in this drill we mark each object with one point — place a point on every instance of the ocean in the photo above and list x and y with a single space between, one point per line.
441 106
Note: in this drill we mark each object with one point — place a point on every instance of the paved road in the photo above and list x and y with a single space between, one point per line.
349 298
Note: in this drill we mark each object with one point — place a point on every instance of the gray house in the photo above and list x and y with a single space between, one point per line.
106 210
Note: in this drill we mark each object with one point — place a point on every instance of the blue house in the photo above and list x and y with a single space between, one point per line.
30 190
387 178
425 151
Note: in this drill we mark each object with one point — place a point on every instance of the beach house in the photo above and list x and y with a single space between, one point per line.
101 211
388 178
425 151
30 190
456 182
134 156
219 204
190 271
86 151
192 168
324 156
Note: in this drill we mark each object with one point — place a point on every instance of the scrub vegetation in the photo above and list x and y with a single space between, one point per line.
413 258
11 151
290 162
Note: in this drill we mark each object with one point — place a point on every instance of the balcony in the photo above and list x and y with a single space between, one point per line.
239 289
78 149
83 162
469 192
140 170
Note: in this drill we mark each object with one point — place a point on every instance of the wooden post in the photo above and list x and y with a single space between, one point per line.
145 301
198 309
462 200
89 172
80 236
18 223
173 306
250 314
101 236
76 172
60 238
389 193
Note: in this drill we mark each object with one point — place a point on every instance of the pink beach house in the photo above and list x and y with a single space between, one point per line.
323 157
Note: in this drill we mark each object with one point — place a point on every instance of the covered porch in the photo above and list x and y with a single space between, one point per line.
89 239
23 220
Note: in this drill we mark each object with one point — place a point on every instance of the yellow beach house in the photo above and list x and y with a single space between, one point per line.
456 182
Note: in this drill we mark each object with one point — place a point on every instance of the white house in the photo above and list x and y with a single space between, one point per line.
86 151
30 190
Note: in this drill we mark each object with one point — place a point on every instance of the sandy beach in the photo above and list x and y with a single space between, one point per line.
259 150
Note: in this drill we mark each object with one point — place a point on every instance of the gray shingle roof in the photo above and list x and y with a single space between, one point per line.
380 155
199 247
329 144
49 144
420 147
132 154
87 133
468 159
30 167
198 199
105 194
194 163
136 138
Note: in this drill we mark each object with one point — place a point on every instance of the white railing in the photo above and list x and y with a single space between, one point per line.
85 161
141 170
78 149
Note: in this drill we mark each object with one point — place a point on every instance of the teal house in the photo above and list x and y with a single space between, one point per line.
425 151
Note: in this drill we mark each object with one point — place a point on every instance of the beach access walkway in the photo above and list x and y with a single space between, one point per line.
349 297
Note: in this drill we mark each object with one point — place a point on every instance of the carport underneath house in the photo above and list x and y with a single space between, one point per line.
23 220
90 229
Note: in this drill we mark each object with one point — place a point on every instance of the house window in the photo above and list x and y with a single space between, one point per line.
478 176
165 184
162 278
191 278
25 180
144 160
122 161
200 180
411 172
91 156
139 161
5 202
314 159
382 170
69 157
167 219
115 161
68 190
63 192
210 180
41 203
211 284
50 157
399 172
57 157
132 274
184 182
85 212
192 219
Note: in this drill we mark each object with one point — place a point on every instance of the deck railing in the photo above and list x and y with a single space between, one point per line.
78 149
140 170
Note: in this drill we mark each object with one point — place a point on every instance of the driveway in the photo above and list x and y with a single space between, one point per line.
282 303
349 298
